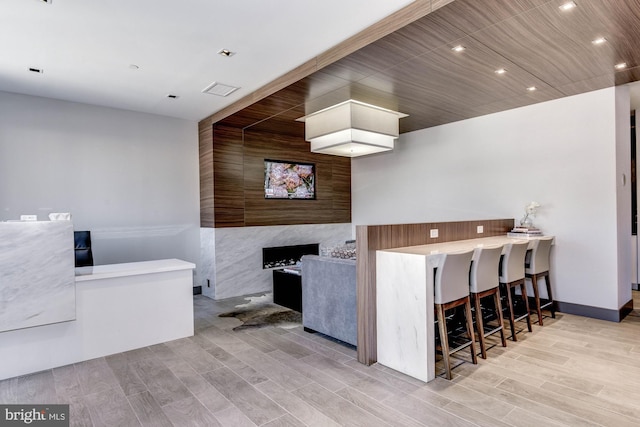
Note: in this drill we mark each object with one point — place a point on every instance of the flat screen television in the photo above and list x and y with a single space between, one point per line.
289 180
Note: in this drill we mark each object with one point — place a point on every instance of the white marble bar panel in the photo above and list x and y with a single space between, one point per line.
403 318
404 299
238 253
120 307
37 285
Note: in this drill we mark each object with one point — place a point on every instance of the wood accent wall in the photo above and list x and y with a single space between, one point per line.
370 238
228 177
237 175
205 147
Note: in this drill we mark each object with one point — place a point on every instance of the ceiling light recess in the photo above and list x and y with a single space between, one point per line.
568 6
500 71
532 89
351 129
219 89
226 52
599 40
620 66
458 48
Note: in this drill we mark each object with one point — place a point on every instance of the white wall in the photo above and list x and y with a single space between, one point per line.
130 178
561 154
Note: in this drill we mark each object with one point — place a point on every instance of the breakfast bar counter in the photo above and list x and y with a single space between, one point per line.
404 297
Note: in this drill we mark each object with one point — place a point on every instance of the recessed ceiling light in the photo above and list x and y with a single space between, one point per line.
133 66
226 52
47 1
500 71
620 66
568 6
36 70
599 40
532 89
458 48
173 96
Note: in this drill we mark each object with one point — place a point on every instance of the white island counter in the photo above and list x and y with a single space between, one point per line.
404 298
119 307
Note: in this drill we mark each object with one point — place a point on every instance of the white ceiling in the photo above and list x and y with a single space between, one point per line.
85 47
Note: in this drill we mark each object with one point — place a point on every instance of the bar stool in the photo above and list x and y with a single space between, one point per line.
537 267
451 290
484 282
511 277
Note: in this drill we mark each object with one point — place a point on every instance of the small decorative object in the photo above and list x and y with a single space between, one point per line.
60 216
530 210
347 251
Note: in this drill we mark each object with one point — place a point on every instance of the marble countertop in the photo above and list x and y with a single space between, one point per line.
459 245
131 269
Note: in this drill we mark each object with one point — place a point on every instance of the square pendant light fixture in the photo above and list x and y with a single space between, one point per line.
351 129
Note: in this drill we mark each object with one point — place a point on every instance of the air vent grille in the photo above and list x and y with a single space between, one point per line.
219 89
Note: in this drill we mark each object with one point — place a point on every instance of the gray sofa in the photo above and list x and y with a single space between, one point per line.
329 297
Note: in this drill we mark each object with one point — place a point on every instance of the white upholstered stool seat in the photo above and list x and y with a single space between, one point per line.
536 268
512 277
484 282
451 289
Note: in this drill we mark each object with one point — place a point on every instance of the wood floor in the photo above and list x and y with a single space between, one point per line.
574 371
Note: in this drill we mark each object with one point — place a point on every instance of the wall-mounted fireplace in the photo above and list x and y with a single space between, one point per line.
282 256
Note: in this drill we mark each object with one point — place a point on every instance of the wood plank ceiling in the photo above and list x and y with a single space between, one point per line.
414 69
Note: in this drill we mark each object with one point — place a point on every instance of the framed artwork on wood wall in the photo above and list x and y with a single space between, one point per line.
289 180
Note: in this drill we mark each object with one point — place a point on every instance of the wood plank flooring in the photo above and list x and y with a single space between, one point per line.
574 371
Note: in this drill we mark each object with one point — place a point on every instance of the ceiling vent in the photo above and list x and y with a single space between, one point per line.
219 89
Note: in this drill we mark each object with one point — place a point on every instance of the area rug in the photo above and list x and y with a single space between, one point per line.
261 311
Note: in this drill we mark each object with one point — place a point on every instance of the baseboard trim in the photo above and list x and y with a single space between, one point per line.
595 312
197 290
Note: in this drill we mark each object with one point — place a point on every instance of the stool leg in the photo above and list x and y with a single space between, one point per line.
553 304
496 297
444 341
480 325
536 297
512 321
467 306
526 304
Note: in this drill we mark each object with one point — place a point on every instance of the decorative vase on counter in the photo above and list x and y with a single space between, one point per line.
530 213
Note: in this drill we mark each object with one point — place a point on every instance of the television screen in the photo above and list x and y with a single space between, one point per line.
289 180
